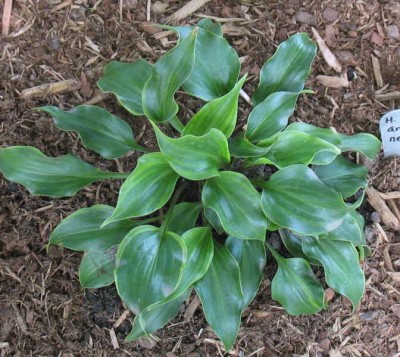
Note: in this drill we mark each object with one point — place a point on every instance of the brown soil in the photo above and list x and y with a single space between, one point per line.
44 312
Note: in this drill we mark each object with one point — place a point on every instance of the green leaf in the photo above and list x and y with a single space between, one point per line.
221 295
147 188
209 25
292 243
81 230
364 143
126 81
288 69
271 115
351 230
295 198
100 131
195 157
237 204
326 134
216 67
51 176
214 220
155 316
250 255
295 147
220 113
184 217
340 262
343 176
239 146
200 252
97 268
148 267
167 76
296 288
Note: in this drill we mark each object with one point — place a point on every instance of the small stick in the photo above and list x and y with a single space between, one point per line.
390 195
187 10
245 96
148 10
377 71
332 82
388 96
380 206
7 17
66 86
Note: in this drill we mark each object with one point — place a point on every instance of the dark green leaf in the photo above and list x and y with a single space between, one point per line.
209 25
184 217
295 198
51 176
296 288
239 146
343 176
167 76
250 255
126 81
100 131
220 113
214 220
326 134
81 230
364 143
271 115
237 204
340 262
295 147
288 69
148 267
221 295
97 268
195 157
147 188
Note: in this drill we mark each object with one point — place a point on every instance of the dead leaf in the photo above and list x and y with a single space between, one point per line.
330 35
329 57
333 82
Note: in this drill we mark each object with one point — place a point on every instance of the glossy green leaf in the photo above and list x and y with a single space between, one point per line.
216 68
296 288
341 265
148 267
195 157
220 113
295 147
81 230
343 176
237 204
126 81
209 25
364 143
250 255
288 69
147 188
239 146
184 217
293 244
295 198
51 176
327 134
351 230
100 131
167 76
271 115
155 317
221 295
97 268
214 220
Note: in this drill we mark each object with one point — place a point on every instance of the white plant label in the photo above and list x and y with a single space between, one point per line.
389 127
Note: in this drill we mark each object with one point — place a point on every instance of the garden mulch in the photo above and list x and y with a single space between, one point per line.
43 310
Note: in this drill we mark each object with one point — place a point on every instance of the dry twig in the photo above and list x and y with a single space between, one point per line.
377 71
329 57
187 10
380 206
7 17
66 86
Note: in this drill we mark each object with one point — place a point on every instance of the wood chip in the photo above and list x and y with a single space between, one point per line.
194 304
69 85
333 82
380 206
114 340
6 17
187 10
20 319
377 71
384 97
329 57
390 195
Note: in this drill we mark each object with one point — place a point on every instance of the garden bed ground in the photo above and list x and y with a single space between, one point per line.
44 312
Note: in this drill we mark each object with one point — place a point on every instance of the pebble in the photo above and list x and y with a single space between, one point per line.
393 32
330 15
305 18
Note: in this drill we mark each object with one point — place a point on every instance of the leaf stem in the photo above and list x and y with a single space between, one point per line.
176 124
274 253
174 200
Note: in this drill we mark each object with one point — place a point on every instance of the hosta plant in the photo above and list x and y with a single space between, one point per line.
160 243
